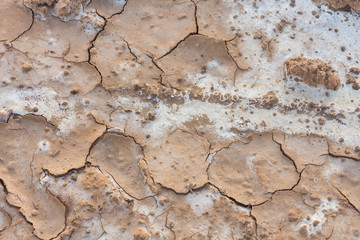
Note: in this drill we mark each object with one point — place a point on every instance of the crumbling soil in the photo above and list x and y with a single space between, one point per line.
345 5
313 72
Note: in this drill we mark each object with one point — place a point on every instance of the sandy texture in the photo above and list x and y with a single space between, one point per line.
179 119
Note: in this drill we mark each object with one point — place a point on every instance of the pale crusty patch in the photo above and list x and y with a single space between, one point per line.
317 188
64 9
206 213
95 205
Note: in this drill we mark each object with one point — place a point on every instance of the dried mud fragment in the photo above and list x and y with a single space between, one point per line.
346 178
56 74
332 212
250 172
313 72
40 7
349 227
12 223
267 101
265 42
197 61
5 220
214 17
121 67
205 128
107 8
303 150
20 173
64 77
68 9
158 231
234 48
315 209
13 11
342 150
279 217
343 5
141 234
179 161
11 69
205 214
120 156
95 206
71 150
55 38
105 111
355 70
155 27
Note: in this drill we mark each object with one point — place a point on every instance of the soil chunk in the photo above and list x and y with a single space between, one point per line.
313 72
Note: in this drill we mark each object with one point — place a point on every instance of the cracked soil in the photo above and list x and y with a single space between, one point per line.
179 119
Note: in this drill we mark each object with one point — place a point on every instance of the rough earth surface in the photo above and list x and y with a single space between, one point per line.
179 119
312 72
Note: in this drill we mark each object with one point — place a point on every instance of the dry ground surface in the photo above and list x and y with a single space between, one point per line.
179 119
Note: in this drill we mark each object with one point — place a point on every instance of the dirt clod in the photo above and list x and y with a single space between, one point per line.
312 72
